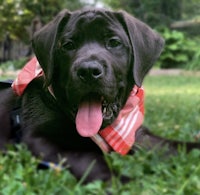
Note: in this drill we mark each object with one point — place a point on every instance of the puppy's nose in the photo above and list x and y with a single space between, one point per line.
88 71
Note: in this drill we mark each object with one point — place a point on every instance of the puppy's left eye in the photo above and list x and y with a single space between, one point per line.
113 43
68 46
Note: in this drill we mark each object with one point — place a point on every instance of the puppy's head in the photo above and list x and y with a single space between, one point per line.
92 59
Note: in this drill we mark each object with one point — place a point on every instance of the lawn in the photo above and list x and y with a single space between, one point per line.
172 110
173 105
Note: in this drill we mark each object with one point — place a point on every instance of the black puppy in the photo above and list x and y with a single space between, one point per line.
90 60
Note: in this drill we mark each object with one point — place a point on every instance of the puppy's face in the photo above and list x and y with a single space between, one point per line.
93 67
92 59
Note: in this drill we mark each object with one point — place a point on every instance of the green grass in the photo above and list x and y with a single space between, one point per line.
173 105
172 110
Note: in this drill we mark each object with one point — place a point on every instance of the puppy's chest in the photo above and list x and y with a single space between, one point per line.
56 128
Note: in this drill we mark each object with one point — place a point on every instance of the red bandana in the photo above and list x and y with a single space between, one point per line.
120 135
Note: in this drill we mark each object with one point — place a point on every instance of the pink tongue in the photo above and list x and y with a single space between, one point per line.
89 118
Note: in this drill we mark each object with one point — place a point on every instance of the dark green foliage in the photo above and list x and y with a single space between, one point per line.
153 12
195 62
16 16
179 49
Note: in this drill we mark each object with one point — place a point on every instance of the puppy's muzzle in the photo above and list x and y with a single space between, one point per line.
90 71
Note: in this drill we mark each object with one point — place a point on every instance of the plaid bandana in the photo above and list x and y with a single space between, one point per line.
30 71
120 135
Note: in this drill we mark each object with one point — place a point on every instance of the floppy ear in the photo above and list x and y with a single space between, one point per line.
44 43
146 44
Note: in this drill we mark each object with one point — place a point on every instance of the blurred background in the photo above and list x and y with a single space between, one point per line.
177 21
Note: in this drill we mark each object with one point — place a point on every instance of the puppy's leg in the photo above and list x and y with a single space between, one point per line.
95 164
149 141
80 163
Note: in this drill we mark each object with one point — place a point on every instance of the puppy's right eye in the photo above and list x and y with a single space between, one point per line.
68 46
114 42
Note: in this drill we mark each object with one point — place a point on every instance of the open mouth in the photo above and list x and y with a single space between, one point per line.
109 110
92 112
